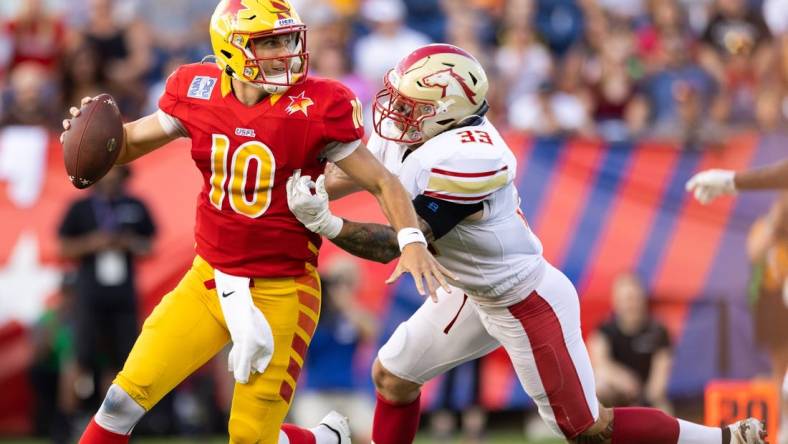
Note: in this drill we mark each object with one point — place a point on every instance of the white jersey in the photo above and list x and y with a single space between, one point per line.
498 258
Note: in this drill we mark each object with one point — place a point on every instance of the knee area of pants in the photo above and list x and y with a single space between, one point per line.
385 380
392 387
241 432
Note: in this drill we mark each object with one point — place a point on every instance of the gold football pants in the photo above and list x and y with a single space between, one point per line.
187 329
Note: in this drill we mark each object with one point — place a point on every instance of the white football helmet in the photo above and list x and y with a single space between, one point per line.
434 88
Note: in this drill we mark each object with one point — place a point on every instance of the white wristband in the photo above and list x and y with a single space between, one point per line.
333 227
410 235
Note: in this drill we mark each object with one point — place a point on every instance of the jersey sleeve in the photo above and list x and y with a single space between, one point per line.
465 180
343 118
171 102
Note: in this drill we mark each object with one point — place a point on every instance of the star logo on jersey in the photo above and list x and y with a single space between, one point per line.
299 103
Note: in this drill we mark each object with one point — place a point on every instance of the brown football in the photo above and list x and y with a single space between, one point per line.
92 144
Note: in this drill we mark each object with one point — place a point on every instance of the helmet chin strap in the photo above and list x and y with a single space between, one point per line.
270 89
275 89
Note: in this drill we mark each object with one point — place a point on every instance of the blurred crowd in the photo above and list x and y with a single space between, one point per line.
682 70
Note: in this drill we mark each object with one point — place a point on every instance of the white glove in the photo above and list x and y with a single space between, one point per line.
253 340
710 184
312 209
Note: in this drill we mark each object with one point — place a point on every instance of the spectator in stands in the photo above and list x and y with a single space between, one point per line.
178 25
737 50
105 232
333 62
327 27
630 10
664 17
465 26
619 112
6 50
36 36
81 74
53 355
773 103
631 352
427 17
767 247
523 62
123 53
388 42
29 99
560 23
344 327
680 95
557 108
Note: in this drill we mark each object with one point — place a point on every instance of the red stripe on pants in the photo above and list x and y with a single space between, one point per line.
556 369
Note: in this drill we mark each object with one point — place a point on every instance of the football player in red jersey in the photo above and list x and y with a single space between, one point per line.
254 117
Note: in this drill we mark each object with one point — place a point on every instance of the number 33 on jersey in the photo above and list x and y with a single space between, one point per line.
245 155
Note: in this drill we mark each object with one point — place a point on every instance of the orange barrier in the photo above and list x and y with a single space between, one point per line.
730 401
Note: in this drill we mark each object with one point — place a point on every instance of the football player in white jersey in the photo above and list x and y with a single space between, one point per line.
431 132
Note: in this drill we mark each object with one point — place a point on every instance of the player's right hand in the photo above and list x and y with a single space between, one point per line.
74 111
710 184
422 265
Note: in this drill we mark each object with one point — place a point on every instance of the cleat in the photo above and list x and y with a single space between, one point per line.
338 424
748 431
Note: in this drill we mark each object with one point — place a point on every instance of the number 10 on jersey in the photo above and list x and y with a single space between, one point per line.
253 200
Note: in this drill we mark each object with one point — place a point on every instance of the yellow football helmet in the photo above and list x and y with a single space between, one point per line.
235 24
431 90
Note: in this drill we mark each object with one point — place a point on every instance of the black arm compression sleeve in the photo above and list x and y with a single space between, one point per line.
442 215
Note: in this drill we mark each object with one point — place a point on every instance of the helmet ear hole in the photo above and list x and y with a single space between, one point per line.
227 54
445 122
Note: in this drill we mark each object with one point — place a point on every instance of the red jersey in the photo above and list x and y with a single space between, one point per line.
246 154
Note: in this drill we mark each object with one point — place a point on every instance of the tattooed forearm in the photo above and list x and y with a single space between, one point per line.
374 242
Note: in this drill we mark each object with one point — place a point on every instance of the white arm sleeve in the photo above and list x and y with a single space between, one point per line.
336 151
172 126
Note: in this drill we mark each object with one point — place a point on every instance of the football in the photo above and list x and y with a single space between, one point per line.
92 144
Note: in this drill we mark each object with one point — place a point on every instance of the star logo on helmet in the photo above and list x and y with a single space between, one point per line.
235 6
299 103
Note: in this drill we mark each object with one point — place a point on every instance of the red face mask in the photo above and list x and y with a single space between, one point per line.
296 63
399 118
